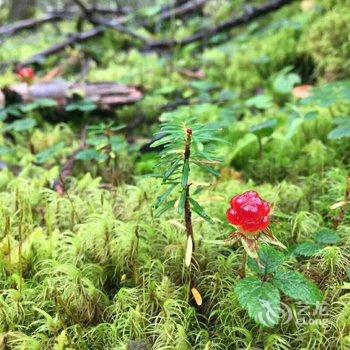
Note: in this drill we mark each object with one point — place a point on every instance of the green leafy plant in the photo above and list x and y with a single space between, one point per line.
264 129
298 119
323 238
342 129
103 142
186 144
260 294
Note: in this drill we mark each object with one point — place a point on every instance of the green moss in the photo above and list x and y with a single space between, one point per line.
327 43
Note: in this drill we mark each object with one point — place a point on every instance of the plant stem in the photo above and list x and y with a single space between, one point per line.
339 219
260 147
244 261
20 250
188 214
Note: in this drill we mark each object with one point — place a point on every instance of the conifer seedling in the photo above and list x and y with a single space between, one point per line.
186 145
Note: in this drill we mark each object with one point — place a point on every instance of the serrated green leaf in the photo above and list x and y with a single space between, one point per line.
271 259
185 173
21 125
264 129
91 154
297 287
260 299
293 127
260 102
327 236
307 249
339 133
284 83
5 150
50 153
3 114
312 115
198 209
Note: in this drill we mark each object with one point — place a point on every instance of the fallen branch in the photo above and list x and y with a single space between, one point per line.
71 41
12 29
206 34
117 25
182 10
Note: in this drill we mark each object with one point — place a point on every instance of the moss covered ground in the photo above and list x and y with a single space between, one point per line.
95 268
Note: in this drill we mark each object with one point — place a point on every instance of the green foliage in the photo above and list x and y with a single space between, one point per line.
96 267
323 238
297 287
185 145
261 298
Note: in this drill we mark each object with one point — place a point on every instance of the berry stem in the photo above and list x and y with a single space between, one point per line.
188 214
260 147
244 261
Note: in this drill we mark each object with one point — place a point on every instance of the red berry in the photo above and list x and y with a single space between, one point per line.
26 74
249 212
232 216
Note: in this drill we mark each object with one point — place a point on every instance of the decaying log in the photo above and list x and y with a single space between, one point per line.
208 33
12 29
104 95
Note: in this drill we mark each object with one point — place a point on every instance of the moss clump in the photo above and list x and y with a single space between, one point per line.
328 43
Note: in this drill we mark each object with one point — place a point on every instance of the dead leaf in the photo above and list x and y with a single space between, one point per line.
197 296
250 246
338 205
194 74
307 5
189 251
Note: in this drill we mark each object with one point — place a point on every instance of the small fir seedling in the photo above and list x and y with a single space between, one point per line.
105 144
186 144
250 215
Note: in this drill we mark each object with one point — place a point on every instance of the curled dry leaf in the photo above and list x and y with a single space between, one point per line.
338 205
197 296
193 74
189 251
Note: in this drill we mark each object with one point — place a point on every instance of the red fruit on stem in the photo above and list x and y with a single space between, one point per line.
249 212
26 74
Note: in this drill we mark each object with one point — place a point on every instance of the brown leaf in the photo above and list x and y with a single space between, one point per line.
197 296
189 251
193 74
